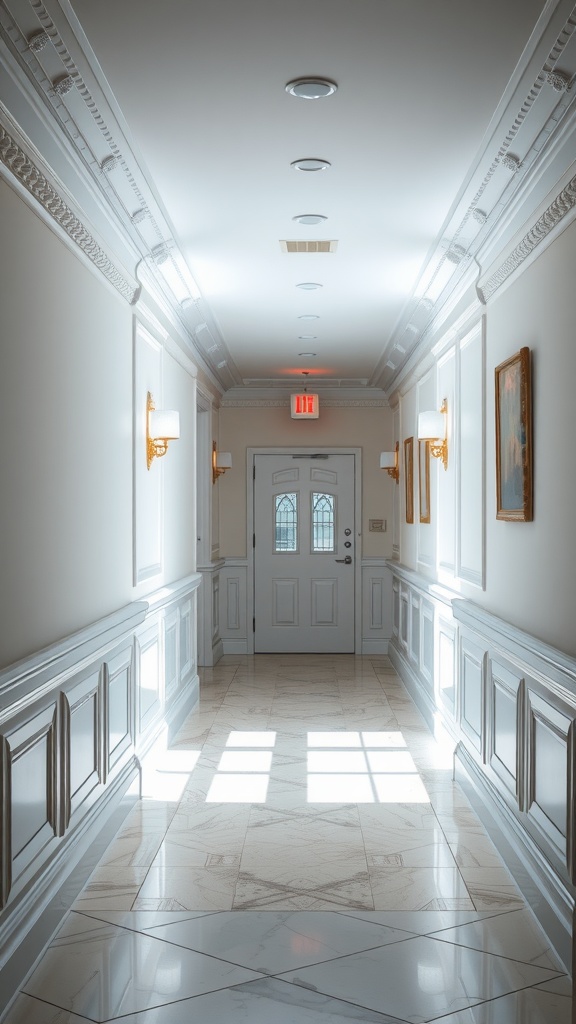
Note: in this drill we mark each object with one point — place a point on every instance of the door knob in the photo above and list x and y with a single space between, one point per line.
346 560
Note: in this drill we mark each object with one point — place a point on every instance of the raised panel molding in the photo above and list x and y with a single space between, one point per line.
550 772
67 743
505 727
514 736
472 692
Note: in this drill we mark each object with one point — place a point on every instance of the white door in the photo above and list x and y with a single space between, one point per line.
304 540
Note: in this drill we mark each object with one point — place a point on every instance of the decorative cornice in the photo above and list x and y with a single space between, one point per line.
284 403
63 85
109 164
479 216
35 182
510 162
565 201
38 41
557 80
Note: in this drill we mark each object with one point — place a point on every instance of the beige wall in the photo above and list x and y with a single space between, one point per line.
367 428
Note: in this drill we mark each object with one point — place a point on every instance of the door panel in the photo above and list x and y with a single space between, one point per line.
304 588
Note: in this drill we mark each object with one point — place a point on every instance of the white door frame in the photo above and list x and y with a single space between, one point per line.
304 450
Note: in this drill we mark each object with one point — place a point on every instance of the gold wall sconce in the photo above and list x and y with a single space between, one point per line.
389 462
221 461
433 427
162 426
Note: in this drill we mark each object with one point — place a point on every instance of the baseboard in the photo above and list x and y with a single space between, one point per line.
374 647
182 706
234 646
550 902
425 705
42 907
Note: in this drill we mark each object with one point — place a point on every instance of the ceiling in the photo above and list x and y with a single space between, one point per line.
201 87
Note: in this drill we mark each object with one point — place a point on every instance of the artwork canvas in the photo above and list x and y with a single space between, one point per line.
424 479
514 438
409 477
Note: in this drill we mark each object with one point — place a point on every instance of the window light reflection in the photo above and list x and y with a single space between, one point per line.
381 772
251 739
238 789
245 761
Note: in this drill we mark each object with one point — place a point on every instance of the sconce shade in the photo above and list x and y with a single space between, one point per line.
387 460
221 461
431 425
164 423
162 426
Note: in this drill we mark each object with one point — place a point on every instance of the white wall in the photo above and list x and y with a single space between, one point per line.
368 428
68 514
66 452
531 567
523 572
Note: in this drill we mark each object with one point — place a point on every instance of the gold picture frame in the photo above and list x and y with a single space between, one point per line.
424 479
514 493
409 477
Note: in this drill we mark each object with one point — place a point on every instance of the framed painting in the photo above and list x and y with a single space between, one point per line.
409 477
424 479
514 438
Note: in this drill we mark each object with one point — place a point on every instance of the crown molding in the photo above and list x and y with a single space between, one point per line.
506 183
556 217
276 397
26 166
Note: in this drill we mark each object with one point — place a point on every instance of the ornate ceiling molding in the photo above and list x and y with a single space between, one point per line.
36 183
564 202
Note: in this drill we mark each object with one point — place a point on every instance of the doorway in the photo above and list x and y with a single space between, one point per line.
305 547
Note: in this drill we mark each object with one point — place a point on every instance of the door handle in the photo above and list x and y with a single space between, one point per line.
347 560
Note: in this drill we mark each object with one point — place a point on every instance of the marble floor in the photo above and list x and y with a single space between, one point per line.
300 855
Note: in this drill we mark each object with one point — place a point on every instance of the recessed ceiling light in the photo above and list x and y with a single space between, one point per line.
311 88
311 163
306 355
310 218
309 286
307 337
308 316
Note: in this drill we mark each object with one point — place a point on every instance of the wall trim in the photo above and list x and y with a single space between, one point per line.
558 215
26 166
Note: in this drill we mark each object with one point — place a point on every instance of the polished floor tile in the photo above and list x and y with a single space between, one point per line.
317 865
419 979
101 971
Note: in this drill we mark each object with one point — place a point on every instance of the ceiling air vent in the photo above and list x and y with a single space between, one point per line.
307 246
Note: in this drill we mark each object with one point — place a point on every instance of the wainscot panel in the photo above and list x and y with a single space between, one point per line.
76 720
509 702
376 606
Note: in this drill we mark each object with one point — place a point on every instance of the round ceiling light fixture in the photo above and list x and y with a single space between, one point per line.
307 355
311 163
311 88
310 218
307 337
309 286
309 316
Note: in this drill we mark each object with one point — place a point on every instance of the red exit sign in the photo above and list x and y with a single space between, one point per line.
304 407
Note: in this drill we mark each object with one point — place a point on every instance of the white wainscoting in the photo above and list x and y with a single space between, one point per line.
509 702
376 611
76 720
210 644
235 616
